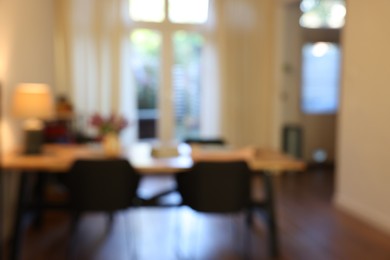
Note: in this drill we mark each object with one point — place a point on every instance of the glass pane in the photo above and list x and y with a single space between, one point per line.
188 11
186 83
322 13
320 75
147 10
146 50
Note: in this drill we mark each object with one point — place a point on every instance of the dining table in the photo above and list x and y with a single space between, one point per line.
147 159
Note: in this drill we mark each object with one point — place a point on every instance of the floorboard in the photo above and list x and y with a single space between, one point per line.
310 227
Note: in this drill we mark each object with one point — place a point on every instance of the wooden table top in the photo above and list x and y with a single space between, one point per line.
59 158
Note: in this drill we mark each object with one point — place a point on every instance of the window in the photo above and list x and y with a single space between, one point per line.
186 82
145 57
188 11
166 57
320 78
322 13
140 10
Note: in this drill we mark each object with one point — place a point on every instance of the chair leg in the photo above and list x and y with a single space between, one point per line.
249 217
111 218
18 225
75 219
240 222
247 248
39 199
74 222
271 216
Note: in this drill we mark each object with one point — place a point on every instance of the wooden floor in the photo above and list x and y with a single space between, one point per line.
310 227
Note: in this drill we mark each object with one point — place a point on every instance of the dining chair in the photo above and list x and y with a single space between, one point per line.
216 187
205 141
102 185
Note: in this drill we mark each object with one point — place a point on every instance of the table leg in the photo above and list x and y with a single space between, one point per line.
271 216
20 208
249 217
1 215
39 199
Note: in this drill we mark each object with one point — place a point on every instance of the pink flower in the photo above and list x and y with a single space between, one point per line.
96 120
113 123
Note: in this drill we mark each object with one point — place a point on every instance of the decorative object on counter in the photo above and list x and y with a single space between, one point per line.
164 151
64 107
34 103
111 144
61 128
109 129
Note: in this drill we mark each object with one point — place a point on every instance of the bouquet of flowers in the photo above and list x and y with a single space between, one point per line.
111 124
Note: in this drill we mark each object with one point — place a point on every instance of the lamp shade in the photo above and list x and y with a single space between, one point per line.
33 100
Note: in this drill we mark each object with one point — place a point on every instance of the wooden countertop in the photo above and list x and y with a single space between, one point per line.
59 158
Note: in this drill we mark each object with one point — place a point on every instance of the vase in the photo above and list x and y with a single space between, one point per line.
111 144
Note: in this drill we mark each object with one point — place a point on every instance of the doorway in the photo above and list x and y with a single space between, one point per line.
310 91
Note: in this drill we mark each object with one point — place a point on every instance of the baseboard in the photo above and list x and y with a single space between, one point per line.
364 212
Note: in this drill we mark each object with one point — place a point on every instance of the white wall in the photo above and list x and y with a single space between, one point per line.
26 51
249 36
363 174
26 55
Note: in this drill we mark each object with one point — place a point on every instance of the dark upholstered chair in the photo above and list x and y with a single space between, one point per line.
219 187
216 187
105 185
208 141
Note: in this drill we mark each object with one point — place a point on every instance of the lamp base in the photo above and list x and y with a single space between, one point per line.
34 141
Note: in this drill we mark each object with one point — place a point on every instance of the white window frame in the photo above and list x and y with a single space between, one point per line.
166 119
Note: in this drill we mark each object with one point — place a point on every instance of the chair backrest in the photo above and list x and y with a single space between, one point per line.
213 141
216 186
102 185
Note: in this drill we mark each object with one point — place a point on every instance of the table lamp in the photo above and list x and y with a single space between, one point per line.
34 103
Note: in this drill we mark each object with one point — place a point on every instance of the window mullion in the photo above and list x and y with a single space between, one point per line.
166 122
166 11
